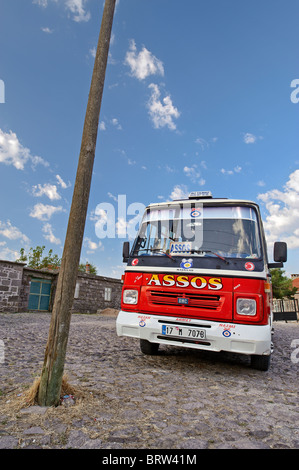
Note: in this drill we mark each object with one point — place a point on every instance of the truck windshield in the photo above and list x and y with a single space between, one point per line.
228 231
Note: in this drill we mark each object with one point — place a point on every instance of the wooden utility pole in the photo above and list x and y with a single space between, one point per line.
52 372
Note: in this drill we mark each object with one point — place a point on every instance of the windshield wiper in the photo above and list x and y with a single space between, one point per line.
163 252
156 249
213 253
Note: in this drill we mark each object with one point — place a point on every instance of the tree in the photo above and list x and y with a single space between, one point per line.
23 258
35 258
282 285
53 367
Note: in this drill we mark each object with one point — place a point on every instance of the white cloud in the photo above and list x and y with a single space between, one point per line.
113 85
92 246
194 174
251 138
111 61
116 123
44 211
47 30
11 232
282 221
62 183
179 192
112 38
13 153
202 142
112 196
49 190
237 169
41 3
161 113
169 169
226 172
7 253
49 235
144 63
93 52
77 7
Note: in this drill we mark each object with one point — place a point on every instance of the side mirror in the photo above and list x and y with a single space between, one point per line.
280 252
126 251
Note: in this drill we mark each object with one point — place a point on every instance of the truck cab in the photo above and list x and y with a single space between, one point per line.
198 276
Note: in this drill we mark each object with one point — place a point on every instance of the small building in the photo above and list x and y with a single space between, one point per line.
295 282
24 289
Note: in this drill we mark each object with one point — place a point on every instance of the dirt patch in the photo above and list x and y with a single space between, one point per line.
109 312
29 422
28 397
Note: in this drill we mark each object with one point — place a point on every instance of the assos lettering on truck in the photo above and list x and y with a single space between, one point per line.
197 282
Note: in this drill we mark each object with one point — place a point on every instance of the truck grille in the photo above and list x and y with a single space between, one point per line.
160 297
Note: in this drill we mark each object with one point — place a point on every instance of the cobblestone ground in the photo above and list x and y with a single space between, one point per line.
179 399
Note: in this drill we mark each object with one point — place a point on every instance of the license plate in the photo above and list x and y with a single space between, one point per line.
183 331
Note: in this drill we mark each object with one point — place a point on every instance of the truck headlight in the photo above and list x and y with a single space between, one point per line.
246 307
130 296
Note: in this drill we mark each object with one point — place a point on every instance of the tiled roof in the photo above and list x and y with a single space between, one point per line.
295 282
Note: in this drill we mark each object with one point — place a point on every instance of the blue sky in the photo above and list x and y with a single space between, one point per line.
199 95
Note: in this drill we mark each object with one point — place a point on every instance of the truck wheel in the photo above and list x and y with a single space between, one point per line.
260 362
148 348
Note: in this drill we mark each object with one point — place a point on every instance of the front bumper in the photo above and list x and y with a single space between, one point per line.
220 336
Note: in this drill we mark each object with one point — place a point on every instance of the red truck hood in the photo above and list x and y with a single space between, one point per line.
192 296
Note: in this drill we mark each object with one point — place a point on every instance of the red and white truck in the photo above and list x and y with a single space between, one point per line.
198 276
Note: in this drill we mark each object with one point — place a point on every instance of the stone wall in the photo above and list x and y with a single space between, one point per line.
11 275
15 280
90 293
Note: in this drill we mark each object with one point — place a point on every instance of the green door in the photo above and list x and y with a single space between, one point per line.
39 297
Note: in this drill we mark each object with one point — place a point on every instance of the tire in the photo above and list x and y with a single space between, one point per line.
148 348
261 362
